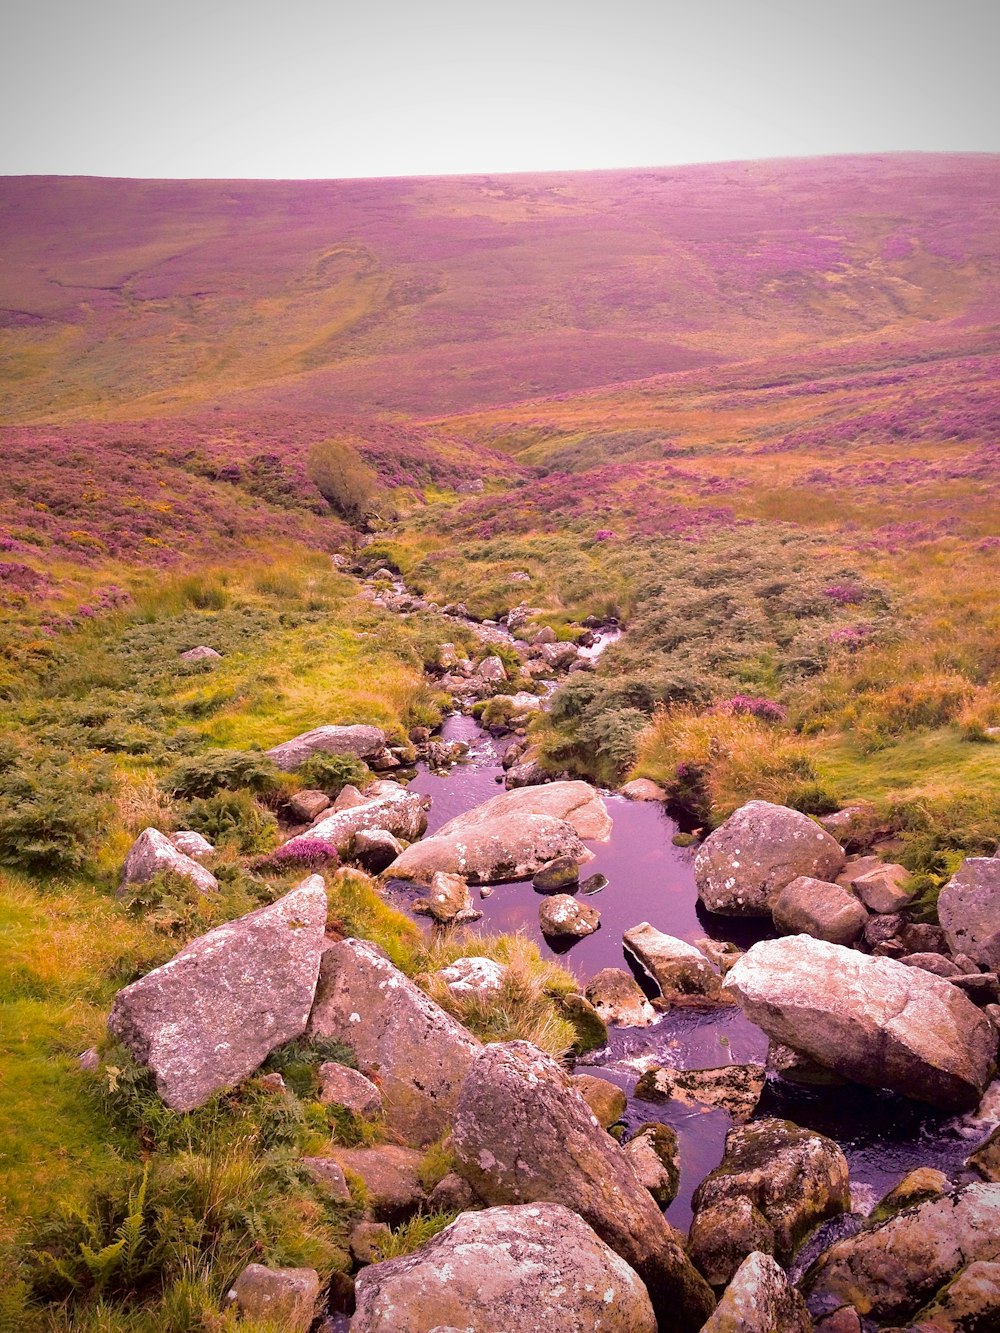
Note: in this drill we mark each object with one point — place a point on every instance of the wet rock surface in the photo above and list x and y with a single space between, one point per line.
759 1299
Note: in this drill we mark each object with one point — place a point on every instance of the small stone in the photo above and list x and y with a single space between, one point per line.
447 896
339 1085
883 928
473 976
285 1297
452 1195
594 884
723 1235
654 1153
735 1089
329 1176
201 654
986 1159
376 849
89 1060
607 1101
367 1240
272 1083
721 953
391 1178
642 789
152 852
884 889
933 962
348 798
561 916
798 1068
557 875
619 1000
308 804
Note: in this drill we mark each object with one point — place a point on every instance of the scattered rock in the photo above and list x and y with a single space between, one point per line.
473 976
375 849
759 1299
367 1241
391 1177
986 1159
308 804
201 654
933 962
642 789
152 853
816 907
793 1178
339 1085
521 1135
795 1067
347 798
920 1185
211 1016
844 1320
969 1304
447 896
452 1194
884 889
889 1272
492 670
281 1296
873 1020
654 1154
390 807
605 1099
721 953
273 1083
561 916
557 875
883 929
735 1089
191 844
362 742
921 937
329 1176
519 1269
723 1235
742 867
89 1060
676 966
594 884
418 1052
619 1000
969 910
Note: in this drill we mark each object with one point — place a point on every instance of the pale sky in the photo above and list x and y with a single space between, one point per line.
325 88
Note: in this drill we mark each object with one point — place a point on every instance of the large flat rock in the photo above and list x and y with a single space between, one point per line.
211 1016
873 1020
363 742
576 803
417 1054
519 1269
508 847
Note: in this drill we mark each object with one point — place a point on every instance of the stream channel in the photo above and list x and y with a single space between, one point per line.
883 1135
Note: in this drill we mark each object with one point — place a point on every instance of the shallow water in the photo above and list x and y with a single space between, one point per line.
883 1136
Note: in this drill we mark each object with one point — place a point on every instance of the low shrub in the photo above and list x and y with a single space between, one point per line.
222 770
332 772
303 854
232 819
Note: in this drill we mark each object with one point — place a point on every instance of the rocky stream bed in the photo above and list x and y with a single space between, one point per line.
783 1047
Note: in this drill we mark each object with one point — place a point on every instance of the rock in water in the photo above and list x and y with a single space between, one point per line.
518 1269
618 999
873 1020
969 910
735 1089
360 741
776 1182
759 1300
890 1272
152 853
576 803
507 848
523 1135
742 867
418 1052
562 917
676 966
210 1016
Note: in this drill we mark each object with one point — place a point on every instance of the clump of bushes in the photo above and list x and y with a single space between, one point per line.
232 819
222 770
52 806
303 854
332 772
345 481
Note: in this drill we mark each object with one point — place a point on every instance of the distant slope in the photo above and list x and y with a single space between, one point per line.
129 299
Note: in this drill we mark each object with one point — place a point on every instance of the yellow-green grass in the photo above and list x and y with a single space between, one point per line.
929 765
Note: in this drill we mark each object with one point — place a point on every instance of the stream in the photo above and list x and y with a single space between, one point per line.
883 1135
